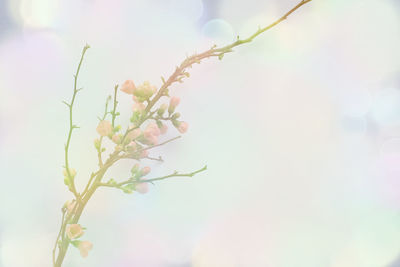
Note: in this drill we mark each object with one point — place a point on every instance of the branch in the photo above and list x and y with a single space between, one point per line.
228 48
113 114
58 237
174 174
137 152
180 72
72 127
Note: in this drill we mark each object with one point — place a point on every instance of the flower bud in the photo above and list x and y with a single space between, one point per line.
84 248
176 116
97 144
151 133
132 146
74 231
138 107
183 127
144 91
145 170
128 87
72 172
142 188
116 138
133 134
70 205
117 128
173 103
104 128
163 129
162 109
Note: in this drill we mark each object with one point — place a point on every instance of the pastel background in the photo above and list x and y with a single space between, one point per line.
300 131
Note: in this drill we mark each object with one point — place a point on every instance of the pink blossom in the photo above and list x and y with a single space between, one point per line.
142 188
116 138
151 133
183 127
74 231
84 248
128 87
104 128
137 106
163 129
132 146
133 134
174 102
145 171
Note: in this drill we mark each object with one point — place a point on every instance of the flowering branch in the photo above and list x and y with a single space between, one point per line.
134 143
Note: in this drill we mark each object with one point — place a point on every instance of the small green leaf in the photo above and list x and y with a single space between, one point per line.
75 243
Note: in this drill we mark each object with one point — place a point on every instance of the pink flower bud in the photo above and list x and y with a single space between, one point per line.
84 248
144 154
137 106
174 102
132 146
104 128
70 205
145 171
74 231
151 133
132 135
142 188
128 87
183 127
116 138
163 129
136 99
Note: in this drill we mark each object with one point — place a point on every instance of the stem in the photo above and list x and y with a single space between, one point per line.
113 114
228 48
72 126
174 174
58 237
180 72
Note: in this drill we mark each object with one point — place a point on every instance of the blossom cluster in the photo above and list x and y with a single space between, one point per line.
138 138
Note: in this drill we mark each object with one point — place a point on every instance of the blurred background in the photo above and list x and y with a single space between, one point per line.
300 131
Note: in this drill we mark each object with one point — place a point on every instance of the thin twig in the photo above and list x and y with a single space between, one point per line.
72 126
174 174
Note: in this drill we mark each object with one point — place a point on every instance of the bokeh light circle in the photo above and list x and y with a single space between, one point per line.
35 13
220 31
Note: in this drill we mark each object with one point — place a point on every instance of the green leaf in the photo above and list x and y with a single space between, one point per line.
75 243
